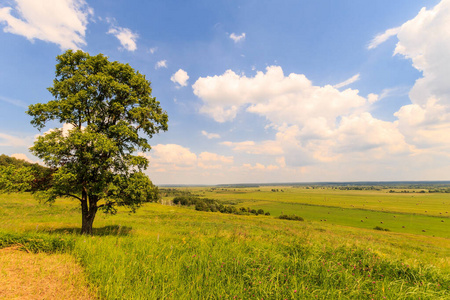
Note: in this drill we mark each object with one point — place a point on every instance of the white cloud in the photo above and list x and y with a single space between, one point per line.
363 132
291 99
180 77
383 37
208 160
314 124
126 37
13 141
210 135
65 130
161 64
152 50
250 147
425 40
23 157
60 22
372 98
347 82
425 126
237 38
173 157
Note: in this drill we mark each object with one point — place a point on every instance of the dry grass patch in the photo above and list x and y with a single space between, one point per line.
41 276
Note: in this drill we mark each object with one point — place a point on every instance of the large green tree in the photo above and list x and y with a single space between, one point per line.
108 115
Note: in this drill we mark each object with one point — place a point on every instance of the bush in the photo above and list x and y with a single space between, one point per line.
291 217
380 228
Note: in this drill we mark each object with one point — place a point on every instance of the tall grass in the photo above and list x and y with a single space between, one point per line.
222 268
164 252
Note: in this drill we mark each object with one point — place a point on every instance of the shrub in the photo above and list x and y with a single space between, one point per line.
291 217
380 228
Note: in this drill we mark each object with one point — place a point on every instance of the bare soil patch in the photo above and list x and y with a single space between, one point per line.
41 276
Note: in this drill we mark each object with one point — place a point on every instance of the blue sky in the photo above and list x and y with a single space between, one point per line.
256 91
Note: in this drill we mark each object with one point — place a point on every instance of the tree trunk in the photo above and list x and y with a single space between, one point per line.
88 213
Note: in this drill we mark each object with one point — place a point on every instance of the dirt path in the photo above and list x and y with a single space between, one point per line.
40 276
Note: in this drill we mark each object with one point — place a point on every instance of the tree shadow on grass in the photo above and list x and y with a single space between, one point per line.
110 230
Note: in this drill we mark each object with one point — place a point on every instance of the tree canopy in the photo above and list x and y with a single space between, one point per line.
108 114
18 175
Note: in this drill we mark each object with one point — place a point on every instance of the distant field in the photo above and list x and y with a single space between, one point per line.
170 252
416 213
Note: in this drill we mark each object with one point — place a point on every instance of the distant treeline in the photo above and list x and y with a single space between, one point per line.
42 175
435 190
212 205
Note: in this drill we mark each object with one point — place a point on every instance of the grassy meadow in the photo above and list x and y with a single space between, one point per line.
171 252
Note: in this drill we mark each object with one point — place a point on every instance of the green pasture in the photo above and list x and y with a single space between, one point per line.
415 213
169 252
429 204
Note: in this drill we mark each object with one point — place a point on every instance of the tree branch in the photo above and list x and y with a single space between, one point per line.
70 195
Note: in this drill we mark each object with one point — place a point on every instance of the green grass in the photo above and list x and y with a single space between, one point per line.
429 204
166 252
415 213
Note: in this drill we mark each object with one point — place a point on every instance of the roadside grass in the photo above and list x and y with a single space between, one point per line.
166 252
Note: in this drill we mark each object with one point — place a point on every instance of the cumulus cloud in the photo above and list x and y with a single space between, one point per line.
60 22
173 157
126 37
314 124
161 64
425 40
237 38
279 98
210 135
372 98
180 77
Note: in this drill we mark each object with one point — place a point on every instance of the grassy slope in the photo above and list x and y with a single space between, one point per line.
176 253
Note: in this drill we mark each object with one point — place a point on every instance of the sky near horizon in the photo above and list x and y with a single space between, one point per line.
256 91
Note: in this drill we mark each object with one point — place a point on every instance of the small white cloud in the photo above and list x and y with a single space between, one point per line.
161 64
347 82
22 157
210 135
152 50
383 37
126 37
180 77
60 22
237 38
372 98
